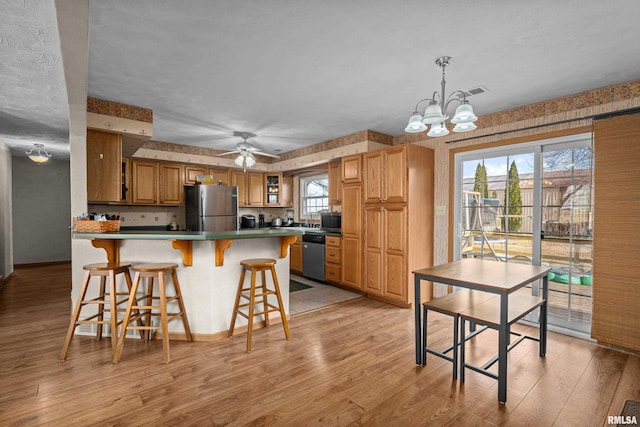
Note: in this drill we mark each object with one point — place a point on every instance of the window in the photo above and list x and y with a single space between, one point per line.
314 195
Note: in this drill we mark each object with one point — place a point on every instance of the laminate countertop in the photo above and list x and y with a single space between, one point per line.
191 235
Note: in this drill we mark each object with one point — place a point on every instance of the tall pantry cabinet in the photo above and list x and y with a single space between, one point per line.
352 221
398 220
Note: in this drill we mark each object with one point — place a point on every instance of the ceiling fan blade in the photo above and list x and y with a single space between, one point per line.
260 153
227 153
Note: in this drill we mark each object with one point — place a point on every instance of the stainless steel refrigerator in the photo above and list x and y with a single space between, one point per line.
210 207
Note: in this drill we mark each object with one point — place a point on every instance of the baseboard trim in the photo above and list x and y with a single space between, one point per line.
40 264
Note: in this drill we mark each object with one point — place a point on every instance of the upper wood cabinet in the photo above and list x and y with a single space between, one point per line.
250 188
335 183
192 171
287 192
221 175
156 183
256 189
104 166
144 180
171 188
273 189
239 179
386 175
352 169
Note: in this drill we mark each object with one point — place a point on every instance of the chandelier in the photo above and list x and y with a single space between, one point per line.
245 159
435 113
38 153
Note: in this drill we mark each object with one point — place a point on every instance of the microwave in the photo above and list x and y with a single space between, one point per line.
331 221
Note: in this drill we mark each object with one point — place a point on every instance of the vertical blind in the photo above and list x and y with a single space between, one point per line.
616 242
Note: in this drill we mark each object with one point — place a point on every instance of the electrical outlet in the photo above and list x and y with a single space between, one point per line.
441 210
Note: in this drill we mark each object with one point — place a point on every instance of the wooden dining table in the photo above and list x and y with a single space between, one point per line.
501 278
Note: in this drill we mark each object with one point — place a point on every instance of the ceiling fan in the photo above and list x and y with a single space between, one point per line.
246 151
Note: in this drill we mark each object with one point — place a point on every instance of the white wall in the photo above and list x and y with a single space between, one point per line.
41 211
6 239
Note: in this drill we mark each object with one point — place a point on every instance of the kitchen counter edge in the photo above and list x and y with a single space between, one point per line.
189 235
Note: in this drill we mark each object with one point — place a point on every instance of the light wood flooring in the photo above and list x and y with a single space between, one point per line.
348 364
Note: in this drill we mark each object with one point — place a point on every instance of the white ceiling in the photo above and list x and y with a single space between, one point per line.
302 72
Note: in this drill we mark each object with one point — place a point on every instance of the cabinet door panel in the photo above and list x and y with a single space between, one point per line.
287 192
191 172
296 257
104 166
352 169
171 189
395 285
335 184
395 175
352 265
145 183
374 248
373 170
396 228
240 180
221 175
256 189
351 210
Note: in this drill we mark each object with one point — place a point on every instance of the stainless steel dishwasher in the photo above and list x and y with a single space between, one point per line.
313 255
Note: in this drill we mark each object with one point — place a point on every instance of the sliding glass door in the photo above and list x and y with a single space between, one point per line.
532 203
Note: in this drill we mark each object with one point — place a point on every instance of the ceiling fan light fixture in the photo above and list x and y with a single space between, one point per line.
239 160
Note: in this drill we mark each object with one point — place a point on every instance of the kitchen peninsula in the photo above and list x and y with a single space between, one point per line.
209 266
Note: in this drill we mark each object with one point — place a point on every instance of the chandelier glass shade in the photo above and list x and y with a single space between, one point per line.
435 113
38 153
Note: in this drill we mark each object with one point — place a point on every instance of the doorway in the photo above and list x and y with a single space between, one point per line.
532 203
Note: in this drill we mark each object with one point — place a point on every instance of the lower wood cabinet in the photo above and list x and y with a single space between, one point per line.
333 259
296 256
385 248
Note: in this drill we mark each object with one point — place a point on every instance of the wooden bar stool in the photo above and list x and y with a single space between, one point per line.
143 306
110 298
254 266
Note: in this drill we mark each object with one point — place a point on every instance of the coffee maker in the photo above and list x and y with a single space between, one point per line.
260 220
289 219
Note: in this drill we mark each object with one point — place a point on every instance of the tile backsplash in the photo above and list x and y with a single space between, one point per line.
143 216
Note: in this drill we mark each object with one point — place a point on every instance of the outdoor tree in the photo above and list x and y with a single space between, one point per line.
494 195
513 200
480 184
